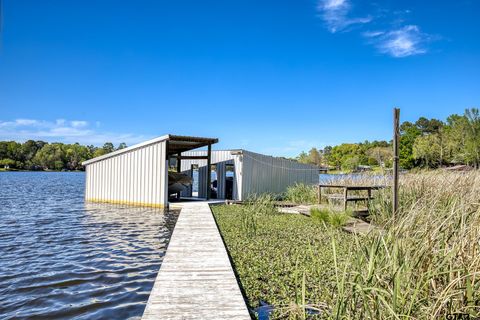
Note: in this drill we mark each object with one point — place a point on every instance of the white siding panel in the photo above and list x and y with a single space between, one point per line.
137 177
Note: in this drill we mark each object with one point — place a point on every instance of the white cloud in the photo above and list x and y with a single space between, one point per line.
79 123
335 13
19 123
26 122
373 34
62 130
394 38
399 43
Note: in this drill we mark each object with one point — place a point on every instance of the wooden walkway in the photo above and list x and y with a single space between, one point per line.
196 279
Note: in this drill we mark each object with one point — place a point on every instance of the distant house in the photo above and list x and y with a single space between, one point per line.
363 168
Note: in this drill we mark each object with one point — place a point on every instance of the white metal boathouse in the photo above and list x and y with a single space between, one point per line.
138 175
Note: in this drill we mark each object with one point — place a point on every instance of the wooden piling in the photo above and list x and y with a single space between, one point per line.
396 134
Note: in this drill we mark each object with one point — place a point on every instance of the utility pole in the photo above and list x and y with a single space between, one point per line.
396 135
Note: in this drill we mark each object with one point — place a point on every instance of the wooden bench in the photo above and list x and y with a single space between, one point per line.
344 197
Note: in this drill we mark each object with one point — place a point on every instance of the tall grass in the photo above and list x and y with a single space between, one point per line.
423 264
426 264
253 208
329 217
302 194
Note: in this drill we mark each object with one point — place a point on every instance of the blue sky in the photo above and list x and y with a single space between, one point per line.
275 77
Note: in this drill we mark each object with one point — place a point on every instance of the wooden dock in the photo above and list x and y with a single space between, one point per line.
196 279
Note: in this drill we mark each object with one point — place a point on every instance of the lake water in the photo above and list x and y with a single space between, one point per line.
61 258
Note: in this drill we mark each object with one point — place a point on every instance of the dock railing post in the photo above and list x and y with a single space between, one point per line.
396 134
209 171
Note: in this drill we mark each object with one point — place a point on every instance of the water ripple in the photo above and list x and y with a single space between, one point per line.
61 258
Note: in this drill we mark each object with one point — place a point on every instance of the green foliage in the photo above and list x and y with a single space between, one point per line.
409 132
8 163
313 157
350 163
40 155
381 156
425 143
302 194
321 215
253 208
327 216
428 150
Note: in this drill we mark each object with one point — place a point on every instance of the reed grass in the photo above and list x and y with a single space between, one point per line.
301 193
330 217
425 264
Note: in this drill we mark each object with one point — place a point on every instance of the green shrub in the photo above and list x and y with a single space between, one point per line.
320 215
339 219
335 219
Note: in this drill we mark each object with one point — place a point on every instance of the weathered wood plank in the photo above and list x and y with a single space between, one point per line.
196 279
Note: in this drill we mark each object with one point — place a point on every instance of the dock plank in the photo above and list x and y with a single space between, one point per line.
196 279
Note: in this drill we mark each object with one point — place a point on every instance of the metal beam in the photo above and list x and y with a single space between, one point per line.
179 170
209 171
191 157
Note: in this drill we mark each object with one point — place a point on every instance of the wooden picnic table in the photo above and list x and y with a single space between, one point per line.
346 188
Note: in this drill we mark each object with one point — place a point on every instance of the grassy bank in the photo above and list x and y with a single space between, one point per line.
425 265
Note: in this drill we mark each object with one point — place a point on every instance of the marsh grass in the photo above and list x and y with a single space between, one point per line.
330 217
425 264
302 194
253 208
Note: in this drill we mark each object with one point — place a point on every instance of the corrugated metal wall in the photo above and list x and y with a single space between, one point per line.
137 177
261 174
254 173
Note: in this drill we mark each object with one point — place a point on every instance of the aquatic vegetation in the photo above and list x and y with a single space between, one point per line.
425 264
301 193
320 215
287 262
254 207
327 216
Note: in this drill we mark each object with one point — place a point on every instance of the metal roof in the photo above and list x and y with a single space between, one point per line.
176 144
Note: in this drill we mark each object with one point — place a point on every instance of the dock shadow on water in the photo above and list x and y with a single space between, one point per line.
62 258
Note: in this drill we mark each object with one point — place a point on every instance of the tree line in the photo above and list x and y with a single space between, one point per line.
41 155
428 143
425 143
